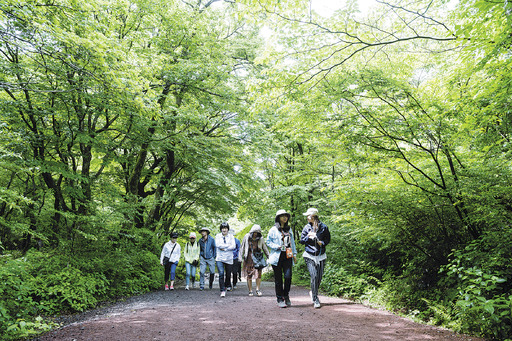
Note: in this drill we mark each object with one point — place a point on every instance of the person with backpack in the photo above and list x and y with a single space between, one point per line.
282 256
169 258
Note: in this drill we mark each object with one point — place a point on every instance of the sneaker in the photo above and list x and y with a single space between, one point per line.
223 294
316 304
258 292
211 286
167 287
201 288
281 304
251 293
287 301
171 287
228 288
186 287
234 287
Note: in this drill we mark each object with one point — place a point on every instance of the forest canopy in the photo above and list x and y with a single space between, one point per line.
123 121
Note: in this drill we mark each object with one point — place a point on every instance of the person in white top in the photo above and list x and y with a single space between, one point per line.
169 258
225 244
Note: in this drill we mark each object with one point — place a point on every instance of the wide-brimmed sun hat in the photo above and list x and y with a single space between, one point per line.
311 211
282 212
204 229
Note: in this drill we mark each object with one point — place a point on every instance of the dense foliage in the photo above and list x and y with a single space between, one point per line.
122 121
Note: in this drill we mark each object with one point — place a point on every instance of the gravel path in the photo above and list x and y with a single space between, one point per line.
204 315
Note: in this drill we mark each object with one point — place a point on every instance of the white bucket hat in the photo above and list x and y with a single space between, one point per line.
311 211
192 235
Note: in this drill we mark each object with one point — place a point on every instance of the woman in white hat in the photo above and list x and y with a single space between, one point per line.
315 236
191 260
282 255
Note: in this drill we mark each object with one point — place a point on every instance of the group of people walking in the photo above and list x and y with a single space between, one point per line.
227 253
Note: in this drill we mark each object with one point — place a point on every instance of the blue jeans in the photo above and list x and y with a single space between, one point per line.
170 268
221 267
191 271
203 263
283 268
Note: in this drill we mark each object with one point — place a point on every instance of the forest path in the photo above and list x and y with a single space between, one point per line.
204 315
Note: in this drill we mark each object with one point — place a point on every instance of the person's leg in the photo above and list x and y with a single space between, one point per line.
258 283
227 275
167 271
320 273
173 273
287 272
202 271
220 267
249 284
187 274
211 265
278 281
235 272
313 273
193 270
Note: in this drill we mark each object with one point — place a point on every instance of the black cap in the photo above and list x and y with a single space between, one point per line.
223 225
174 235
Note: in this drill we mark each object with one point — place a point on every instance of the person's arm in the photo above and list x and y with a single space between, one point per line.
304 237
214 247
162 255
241 252
273 240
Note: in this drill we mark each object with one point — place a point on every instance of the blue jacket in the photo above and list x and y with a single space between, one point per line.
323 235
274 242
235 251
208 248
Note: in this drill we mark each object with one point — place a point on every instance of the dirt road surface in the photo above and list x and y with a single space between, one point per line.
204 315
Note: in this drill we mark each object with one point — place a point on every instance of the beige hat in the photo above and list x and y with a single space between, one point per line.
204 229
311 211
192 235
282 212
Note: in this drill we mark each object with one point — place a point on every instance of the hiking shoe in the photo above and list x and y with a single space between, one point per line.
223 294
251 293
316 304
167 287
258 292
281 304
187 288
287 301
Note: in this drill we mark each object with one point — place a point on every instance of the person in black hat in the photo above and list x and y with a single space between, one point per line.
169 258
207 256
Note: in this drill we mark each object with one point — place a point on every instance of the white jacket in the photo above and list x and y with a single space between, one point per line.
166 252
227 244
